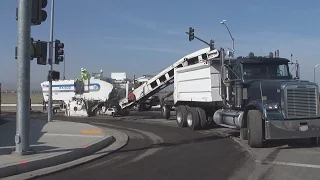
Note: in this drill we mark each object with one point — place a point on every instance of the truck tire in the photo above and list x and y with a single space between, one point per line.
193 119
203 117
255 134
181 113
165 112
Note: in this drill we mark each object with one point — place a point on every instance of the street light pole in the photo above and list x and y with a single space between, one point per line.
314 72
223 22
51 63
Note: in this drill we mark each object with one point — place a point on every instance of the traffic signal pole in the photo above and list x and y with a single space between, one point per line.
22 145
51 63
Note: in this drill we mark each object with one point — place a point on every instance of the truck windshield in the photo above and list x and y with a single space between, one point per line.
254 71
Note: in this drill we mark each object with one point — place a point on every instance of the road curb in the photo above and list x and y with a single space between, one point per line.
237 140
52 160
116 142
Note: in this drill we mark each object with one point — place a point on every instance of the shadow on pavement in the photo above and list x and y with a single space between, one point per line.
179 143
281 144
2 121
33 114
8 131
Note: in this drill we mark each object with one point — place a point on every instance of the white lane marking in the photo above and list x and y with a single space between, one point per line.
290 164
155 138
105 162
72 135
145 154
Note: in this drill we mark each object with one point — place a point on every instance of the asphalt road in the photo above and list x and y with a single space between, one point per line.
158 149
285 160
162 152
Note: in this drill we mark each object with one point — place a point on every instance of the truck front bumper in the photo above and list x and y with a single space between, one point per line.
292 129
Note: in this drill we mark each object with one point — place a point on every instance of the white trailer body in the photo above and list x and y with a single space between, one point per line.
64 90
197 83
96 92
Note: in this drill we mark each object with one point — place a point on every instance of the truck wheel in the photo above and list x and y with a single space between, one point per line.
165 112
193 119
203 117
181 113
244 133
255 134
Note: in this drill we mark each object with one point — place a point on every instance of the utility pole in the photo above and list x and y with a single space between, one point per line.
23 83
51 63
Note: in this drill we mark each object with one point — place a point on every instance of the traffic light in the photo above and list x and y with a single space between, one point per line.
211 45
191 33
55 75
38 49
59 52
41 52
38 15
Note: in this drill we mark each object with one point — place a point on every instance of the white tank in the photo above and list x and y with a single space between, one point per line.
63 90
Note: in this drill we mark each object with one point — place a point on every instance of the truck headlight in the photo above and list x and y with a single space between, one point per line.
272 106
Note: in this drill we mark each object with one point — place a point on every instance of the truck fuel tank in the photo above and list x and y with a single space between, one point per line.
228 117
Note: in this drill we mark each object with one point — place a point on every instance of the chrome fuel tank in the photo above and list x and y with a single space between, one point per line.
228 117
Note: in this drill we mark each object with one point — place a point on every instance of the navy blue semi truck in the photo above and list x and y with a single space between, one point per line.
257 95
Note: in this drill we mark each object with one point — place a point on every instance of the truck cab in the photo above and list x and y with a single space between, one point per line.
266 102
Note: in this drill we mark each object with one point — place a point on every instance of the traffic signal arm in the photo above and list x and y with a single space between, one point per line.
200 39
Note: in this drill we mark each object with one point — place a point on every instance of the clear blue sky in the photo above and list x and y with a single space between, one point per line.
143 36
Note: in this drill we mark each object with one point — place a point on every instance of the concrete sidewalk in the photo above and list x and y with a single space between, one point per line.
54 143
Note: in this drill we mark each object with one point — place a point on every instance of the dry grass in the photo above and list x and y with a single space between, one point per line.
11 98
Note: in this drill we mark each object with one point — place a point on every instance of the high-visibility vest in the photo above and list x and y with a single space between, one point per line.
84 75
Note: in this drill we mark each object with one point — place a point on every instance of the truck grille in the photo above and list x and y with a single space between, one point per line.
301 102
